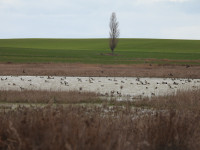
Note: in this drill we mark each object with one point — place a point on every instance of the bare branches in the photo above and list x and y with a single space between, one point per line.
114 32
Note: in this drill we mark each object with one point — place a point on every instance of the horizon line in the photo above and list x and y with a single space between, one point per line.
102 38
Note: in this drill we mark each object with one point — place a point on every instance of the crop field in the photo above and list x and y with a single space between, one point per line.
96 51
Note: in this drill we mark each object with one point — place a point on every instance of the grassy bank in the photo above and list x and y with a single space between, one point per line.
46 97
129 51
182 100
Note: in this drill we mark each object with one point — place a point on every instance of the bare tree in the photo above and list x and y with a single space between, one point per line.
114 32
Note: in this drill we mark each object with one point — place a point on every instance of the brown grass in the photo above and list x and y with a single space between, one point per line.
48 97
123 128
182 101
86 128
140 70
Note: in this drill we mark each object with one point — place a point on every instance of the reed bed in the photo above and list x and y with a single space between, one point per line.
171 123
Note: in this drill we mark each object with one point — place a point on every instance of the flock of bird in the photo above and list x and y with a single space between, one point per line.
130 87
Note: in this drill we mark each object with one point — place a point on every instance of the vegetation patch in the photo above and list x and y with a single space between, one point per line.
128 51
171 123
45 97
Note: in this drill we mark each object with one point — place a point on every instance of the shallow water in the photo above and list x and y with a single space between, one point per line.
129 87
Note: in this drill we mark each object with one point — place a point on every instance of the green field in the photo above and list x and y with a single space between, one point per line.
129 51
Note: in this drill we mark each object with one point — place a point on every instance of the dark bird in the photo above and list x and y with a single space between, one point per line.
21 88
79 80
175 83
138 79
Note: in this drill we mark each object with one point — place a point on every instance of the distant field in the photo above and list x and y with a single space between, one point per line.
129 51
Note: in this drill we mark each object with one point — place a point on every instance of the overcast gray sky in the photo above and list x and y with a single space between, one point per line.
174 19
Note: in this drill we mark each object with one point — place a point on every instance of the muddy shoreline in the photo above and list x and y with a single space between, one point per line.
97 70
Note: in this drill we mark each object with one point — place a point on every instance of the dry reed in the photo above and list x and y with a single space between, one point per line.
91 127
48 96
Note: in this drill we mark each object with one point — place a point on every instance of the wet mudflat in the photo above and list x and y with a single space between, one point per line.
130 87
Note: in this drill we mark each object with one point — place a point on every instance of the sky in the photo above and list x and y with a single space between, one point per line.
165 19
